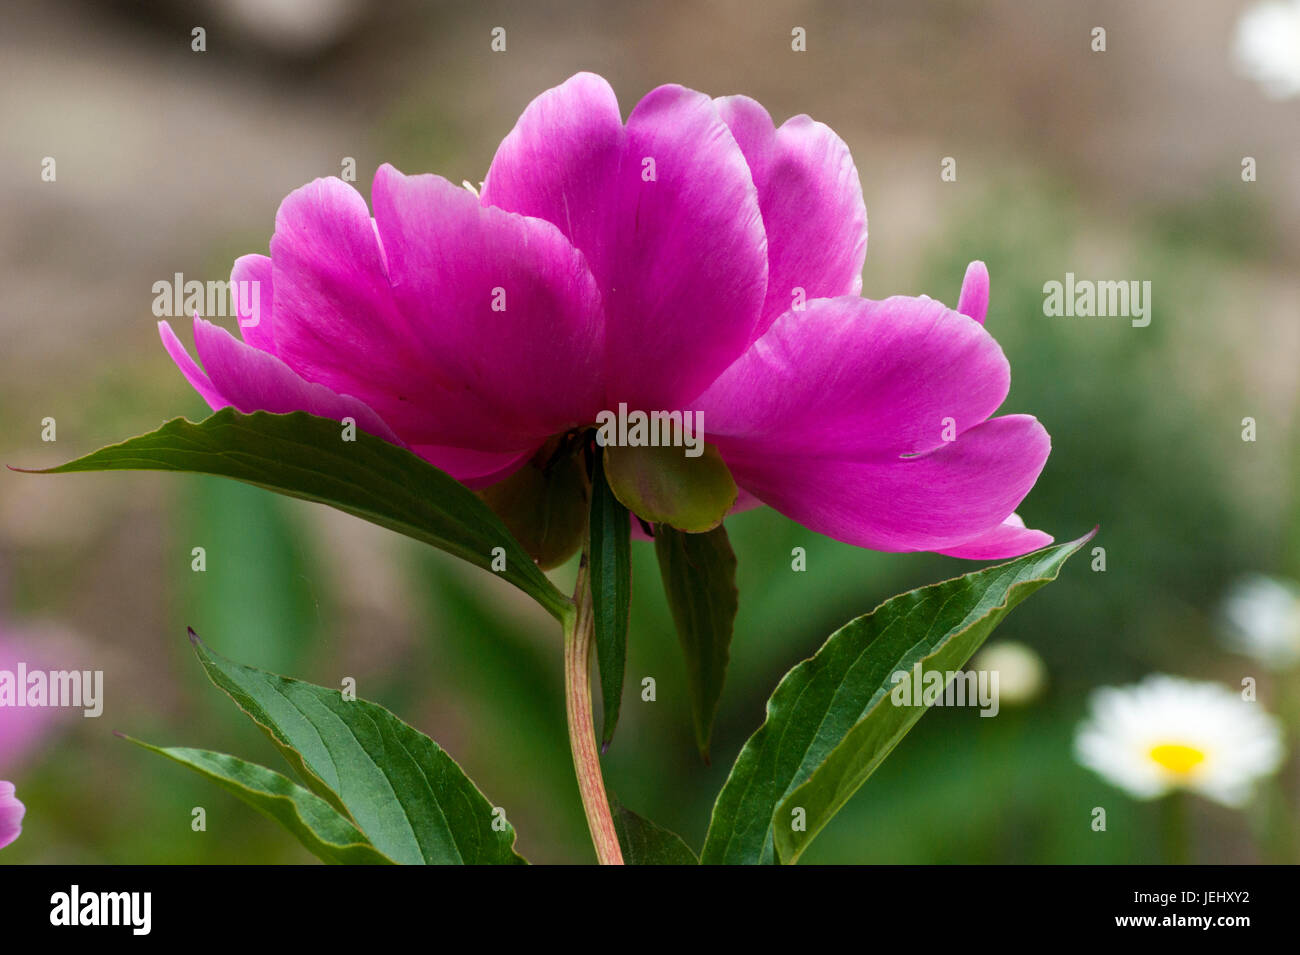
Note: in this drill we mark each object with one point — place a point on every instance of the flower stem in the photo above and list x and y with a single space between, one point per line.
578 632
1174 832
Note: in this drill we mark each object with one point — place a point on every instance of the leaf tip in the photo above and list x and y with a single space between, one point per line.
1088 536
194 637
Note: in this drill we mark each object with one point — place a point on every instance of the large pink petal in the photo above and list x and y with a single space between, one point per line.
811 199
251 380
23 729
934 501
251 279
665 211
686 295
11 814
852 377
509 314
561 163
476 469
1009 539
336 323
869 422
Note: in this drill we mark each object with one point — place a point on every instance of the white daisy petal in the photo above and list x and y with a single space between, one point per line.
1167 733
1261 619
1267 46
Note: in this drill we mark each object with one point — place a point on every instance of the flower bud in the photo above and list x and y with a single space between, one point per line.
663 485
544 505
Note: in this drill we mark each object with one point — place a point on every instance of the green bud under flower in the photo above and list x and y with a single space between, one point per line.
661 485
544 503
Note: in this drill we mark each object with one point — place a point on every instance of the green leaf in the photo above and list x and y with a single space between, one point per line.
831 721
398 786
645 843
328 835
611 592
306 457
260 582
699 575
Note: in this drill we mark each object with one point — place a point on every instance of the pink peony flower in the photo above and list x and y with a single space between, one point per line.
695 257
11 814
23 729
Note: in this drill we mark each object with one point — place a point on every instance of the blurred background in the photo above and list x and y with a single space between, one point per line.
1118 164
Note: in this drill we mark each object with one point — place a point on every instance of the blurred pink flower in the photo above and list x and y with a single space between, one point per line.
21 728
694 257
11 814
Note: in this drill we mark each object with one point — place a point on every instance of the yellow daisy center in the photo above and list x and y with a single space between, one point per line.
1177 758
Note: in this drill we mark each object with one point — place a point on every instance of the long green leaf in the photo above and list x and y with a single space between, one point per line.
646 843
260 583
328 835
305 456
831 721
398 786
611 591
699 575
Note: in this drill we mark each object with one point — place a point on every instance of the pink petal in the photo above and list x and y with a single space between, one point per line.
192 372
561 163
11 814
336 323
974 300
509 314
839 418
1009 539
852 377
23 729
252 280
744 502
435 375
251 380
935 501
477 469
811 199
680 256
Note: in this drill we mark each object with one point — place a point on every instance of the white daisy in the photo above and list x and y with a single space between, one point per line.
1167 733
1263 620
1267 46
1021 674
